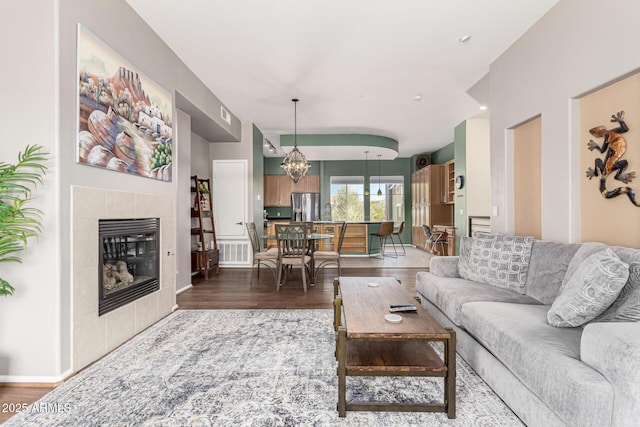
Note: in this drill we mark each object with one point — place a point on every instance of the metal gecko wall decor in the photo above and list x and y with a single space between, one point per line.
614 145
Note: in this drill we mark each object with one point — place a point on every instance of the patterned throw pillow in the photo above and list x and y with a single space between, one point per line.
626 308
500 260
590 290
466 243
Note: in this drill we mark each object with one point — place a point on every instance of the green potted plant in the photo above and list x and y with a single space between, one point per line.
18 222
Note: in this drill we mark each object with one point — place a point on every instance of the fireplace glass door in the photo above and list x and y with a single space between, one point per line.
129 266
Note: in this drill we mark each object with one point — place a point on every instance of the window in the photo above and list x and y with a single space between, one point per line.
347 198
390 205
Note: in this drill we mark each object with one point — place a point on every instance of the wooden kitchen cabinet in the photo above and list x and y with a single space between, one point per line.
448 182
355 239
271 190
427 202
278 188
285 188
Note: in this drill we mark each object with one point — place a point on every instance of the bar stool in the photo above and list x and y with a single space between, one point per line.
397 233
385 232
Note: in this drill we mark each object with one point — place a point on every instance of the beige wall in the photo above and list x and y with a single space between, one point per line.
562 57
527 179
615 221
478 173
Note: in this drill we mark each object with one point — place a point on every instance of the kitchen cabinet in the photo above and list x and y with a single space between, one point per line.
271 187
449 182
427 202
285 187
355 239
278 188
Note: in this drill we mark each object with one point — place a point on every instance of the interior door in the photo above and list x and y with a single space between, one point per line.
229 194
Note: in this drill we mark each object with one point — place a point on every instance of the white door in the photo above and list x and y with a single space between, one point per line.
229 194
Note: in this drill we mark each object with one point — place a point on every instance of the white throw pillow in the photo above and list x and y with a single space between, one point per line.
590 290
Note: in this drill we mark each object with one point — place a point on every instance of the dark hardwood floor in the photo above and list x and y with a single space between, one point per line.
231 290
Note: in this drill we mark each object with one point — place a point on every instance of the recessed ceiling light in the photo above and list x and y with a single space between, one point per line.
417 97
483 107
465 38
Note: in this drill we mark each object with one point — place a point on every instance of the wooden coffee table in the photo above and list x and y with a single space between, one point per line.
368 345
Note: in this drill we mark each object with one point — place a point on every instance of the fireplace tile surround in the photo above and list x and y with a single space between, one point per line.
93 335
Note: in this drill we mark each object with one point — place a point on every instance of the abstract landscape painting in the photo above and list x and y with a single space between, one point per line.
124 118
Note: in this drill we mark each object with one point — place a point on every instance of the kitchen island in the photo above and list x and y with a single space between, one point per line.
356 238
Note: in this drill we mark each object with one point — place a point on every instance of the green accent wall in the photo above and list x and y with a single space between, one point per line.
444 154
460 202
339 140
437 157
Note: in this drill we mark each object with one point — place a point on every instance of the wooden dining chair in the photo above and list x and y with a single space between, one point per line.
323 259
292 252
268 258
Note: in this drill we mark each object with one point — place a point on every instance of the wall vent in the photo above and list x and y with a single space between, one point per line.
234 253
226 115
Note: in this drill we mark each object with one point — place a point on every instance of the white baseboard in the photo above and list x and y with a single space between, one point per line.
27 379
179 291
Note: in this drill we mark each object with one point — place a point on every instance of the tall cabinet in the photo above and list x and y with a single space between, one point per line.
432 202
205 255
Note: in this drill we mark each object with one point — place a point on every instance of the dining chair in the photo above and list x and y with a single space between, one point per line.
385 232
397 232
268 258
433 238
323 259
292 252
310 229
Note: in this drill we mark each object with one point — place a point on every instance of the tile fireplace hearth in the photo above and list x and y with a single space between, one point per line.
96 331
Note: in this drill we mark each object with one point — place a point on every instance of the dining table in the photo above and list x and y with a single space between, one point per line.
314 237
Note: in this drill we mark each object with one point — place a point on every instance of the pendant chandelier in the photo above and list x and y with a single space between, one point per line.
366 187
294 163
379 188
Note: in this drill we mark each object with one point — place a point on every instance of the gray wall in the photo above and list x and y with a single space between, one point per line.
38 106
577 47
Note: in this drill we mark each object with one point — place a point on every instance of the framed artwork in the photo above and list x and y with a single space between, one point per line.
124 118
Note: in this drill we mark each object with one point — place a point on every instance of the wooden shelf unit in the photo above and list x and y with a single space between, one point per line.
205 255
449 181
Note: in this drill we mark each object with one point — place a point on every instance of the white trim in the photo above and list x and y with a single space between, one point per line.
36 379
57 310
574 167
181 290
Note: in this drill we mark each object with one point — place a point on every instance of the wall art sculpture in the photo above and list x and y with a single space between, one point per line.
124 118
613 147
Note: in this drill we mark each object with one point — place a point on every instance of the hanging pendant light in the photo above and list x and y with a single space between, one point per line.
379 188
366 187
294 163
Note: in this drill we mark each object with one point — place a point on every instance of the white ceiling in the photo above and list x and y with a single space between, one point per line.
356 65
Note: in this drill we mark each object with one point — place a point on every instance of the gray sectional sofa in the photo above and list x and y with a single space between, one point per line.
586 375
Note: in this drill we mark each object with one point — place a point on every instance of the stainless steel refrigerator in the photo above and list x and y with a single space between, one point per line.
305 206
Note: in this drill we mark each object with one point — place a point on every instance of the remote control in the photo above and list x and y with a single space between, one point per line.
402 308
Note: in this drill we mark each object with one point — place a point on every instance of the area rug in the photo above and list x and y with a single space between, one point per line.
245 368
